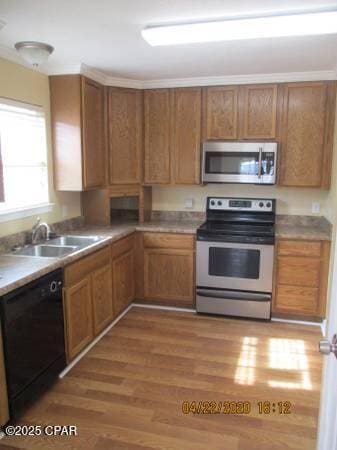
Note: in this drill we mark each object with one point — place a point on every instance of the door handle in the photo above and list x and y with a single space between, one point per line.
325 347
260 163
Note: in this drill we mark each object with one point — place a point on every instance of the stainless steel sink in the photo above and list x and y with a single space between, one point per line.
78 241
47 251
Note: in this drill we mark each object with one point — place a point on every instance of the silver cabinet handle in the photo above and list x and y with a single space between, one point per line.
260 163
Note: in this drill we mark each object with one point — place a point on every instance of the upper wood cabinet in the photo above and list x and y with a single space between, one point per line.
172 136
125 135
186 135
157 136
220 112
307 134
78 133
259 111
240 112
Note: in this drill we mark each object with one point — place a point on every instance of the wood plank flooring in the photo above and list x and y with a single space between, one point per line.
127 392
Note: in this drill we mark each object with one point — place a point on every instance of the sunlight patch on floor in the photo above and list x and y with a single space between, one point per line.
289 354
245 371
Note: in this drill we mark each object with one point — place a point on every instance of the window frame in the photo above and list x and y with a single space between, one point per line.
28 210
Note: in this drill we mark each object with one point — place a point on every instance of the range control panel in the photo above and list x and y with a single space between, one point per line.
240 204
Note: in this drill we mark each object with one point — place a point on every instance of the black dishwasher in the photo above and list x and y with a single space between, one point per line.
33 335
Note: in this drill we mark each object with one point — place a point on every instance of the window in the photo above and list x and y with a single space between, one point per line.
23 156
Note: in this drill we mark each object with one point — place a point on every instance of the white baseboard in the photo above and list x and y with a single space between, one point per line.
167 308
298 322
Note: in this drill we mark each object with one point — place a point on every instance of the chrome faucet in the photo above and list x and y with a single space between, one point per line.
37 227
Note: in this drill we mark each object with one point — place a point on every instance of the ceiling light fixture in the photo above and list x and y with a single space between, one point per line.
236 29
35 53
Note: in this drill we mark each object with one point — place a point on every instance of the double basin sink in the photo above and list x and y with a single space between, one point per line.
58 247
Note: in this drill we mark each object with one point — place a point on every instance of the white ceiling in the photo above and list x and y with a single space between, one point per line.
105 34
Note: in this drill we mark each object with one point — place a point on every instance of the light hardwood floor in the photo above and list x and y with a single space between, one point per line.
127 392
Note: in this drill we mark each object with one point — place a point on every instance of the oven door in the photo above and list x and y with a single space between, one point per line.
227 265
239 163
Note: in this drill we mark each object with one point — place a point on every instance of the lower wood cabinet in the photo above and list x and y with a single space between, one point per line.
301 278
123 274
167 264
87 299
98 288
103 312
78 315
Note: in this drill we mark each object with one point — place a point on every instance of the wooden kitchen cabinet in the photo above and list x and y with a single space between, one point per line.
220 112
78 133
125 135
87 300
240 112
78 317
102 298
301 278
167 268
259 111
307 134
186 135
157 136
172 136
123 273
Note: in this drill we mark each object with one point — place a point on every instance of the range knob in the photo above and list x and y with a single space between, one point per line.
212 202
219 203
261 204
268 205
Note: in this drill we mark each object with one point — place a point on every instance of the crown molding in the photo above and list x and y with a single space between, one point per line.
242 79
108 80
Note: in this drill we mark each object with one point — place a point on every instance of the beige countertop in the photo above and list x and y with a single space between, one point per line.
16 271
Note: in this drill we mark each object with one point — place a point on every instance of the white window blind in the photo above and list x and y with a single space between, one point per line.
24 155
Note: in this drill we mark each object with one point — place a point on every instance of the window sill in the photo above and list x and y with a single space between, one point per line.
19 213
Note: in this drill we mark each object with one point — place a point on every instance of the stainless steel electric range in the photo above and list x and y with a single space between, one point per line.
235 254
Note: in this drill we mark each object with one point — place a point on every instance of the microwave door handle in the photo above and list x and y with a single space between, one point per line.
260 163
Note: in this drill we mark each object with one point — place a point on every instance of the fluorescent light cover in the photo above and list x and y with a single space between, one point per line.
230 30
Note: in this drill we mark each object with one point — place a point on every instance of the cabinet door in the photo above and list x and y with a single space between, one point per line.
92 123
157 117
78 314
123 281
125 135
186 135
221 112
304 152
259 111
102 298
169 275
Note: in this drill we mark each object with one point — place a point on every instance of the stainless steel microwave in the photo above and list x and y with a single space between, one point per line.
239 162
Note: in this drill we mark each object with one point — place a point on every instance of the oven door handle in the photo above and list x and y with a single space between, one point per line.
234 295
260 163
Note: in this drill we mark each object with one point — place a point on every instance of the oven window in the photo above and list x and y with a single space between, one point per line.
232 163
234 262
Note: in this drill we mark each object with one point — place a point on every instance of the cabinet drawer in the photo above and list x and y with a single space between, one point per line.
79 269
167 240
122 246
298 271
301 300
299 248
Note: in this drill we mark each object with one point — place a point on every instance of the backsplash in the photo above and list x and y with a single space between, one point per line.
7 243
178 215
